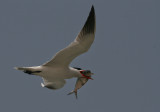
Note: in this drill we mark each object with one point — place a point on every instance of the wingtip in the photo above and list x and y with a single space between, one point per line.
92 8
90 24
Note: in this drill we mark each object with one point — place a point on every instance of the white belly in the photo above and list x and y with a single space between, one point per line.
58 73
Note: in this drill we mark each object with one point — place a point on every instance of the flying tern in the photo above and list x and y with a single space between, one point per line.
57 70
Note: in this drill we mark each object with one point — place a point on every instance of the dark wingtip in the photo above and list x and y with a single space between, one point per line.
92 13
92 8
90 24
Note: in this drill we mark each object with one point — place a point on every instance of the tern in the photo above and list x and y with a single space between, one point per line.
57 70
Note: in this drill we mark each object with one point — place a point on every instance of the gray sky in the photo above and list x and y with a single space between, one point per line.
124 57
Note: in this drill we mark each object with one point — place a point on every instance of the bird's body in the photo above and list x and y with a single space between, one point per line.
52 74
55 71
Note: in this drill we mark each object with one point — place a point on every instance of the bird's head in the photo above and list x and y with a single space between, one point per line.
86 73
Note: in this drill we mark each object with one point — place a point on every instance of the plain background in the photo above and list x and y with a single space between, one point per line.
125 56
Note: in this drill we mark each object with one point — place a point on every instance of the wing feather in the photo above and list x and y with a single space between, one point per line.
80 45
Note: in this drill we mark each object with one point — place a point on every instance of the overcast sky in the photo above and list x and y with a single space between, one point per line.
125 56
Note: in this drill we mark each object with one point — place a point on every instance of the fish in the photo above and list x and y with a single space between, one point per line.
79 83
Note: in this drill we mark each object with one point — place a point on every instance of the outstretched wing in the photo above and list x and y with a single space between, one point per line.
80 45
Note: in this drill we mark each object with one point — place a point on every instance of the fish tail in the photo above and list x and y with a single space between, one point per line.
71 92
75 92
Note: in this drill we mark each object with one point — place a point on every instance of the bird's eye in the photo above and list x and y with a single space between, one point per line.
87 71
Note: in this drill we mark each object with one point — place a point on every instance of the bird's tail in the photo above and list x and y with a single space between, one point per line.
20 68
28 70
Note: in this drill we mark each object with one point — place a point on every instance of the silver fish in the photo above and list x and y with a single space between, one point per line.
79 83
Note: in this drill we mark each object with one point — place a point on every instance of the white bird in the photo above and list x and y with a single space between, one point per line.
55 71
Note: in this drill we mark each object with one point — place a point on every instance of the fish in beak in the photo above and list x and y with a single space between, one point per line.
79 83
